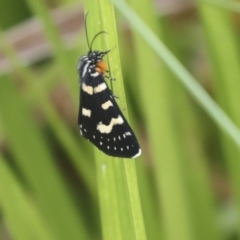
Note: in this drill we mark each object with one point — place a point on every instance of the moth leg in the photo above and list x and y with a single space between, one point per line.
113 95
110 78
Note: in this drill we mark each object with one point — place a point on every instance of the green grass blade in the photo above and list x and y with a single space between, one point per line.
225 64
193 87
178 199
38 94
116 179
34 159
109 212
23 220
40 9
152 80
230 5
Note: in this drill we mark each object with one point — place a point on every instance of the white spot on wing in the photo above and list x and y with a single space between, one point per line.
138 154
87 89
94 74
101 87
86 112
108 128
85 68
100 143
107 104
119 137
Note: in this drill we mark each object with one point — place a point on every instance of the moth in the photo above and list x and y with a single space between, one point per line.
100 120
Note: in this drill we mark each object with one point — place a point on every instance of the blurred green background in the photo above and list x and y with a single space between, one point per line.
56 185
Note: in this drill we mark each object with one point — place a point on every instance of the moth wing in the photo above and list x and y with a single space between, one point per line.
102 122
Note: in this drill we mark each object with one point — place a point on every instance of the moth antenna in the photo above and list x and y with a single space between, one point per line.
95 38
86 32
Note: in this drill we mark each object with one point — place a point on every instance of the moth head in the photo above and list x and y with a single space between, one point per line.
97 56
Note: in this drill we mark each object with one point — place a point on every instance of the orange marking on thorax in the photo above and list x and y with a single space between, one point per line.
101 67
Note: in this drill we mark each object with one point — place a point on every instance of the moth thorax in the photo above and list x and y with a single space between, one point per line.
101 67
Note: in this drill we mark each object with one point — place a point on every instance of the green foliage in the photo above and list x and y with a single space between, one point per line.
55 185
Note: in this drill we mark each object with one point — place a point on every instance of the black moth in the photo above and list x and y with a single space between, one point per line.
100 120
